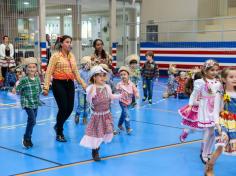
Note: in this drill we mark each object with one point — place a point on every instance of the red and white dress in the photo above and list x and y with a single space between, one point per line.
100 126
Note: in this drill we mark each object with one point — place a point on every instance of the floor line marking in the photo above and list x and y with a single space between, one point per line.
109 157
33 156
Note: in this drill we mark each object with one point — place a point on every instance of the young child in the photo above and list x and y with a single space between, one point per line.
133 62
225 119
127 89
149 74
190 119
181 81
109 77
82 107
100 126
29 89
172 83
10 79
207 87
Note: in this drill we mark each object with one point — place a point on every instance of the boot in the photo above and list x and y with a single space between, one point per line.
95 154
77 119
84 120
209 169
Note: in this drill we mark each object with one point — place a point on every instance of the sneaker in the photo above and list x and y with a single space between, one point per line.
61 138
144 98
121 127
76 119
84 120
183 136
115 132
129 131
204 159
133 104
150 101
27 143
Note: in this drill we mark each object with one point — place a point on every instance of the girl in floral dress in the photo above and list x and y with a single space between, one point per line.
100 127
225 119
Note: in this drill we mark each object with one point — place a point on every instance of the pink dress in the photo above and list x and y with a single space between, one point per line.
100 126
190 119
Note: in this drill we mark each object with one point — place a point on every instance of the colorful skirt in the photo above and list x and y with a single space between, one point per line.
189 119
228 137
99 129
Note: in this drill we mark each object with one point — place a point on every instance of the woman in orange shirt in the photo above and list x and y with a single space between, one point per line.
62 67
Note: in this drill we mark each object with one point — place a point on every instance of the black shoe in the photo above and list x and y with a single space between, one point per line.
144 98
61 138
27 143
95 155
77 119
150 101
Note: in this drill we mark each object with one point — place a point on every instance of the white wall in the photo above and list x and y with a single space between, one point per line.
164 10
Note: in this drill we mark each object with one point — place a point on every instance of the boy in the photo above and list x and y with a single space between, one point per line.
29 88
149 73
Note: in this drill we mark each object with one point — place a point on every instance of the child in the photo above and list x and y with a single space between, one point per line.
133 62
82 107
100 127
29 89
181 81
149 74
206 88
127 90
172 83
190 120
226 123
10 79
109 77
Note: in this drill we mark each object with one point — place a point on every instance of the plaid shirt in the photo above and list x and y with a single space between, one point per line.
62 68
127 91
29 90
150 70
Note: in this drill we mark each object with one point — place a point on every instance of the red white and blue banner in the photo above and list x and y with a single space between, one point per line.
114 54
186 55
43 54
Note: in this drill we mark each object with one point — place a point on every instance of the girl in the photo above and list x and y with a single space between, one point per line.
100 127
206 88
172 83
226 123
190 120
29 88
63 68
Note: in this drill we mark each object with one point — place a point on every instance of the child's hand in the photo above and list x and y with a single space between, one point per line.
13 90
45 92
84 86
219 129
187 110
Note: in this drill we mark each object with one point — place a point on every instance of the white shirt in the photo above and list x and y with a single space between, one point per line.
2 50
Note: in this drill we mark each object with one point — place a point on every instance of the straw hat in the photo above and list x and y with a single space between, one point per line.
30 60
85 60
124 68
96 70
105 67
132 57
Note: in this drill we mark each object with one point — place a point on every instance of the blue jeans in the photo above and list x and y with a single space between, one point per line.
148 88
82 106
32 114
183 96
124 117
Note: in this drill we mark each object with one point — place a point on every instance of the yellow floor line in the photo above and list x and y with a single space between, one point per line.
109 157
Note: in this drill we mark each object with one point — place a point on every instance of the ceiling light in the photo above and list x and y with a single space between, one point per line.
26 3
69 9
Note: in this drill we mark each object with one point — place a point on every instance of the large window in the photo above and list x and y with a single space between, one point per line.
86 29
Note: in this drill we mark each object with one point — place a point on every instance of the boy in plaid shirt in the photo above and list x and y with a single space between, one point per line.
29 88
149 73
